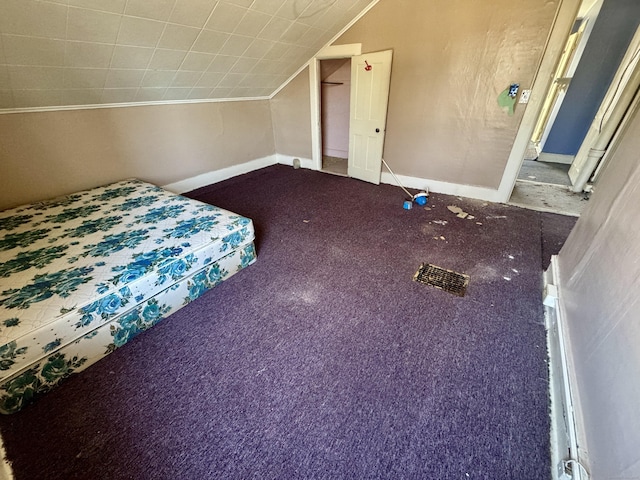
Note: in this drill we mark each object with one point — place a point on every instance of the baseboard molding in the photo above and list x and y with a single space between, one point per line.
288 160
202 180
215 176
564 441
468 191
556 158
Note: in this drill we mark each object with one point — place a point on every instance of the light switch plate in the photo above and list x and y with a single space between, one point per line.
524 96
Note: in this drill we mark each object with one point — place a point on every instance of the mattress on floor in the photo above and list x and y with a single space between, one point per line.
82 274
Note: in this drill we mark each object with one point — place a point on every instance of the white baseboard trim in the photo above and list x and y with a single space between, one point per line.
468 191
556 158
215 176
288 160
435 186
564 441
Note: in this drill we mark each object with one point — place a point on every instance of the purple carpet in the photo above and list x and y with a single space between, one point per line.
324 359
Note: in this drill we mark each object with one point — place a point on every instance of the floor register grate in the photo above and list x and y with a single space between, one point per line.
446 280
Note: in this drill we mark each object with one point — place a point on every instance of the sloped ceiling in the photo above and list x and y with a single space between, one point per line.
88 52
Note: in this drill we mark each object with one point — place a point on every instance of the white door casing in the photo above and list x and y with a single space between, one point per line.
370 79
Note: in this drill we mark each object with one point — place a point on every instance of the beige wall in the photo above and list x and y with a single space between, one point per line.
600 283
291 115
451 59
53 153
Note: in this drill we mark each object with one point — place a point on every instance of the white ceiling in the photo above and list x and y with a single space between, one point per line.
86 52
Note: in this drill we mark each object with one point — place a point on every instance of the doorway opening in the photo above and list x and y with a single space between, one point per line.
556 173
335 95
370 78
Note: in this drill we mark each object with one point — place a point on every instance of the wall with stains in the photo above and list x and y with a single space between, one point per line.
451 60
54 153
600 279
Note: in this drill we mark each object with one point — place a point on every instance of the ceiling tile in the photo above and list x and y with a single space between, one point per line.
167 59
294 33
5 83
244 65
43 78
178 37
347 4
140 32
231 79
197 62
258 48
91 26
253 80
267 6
131 57
37 98
278 51
225 17
82 96
315 11
269 67
275 28
359 6
122 78
235 45
114 51
222 63
210 41
30 18
210 79
6 99
312 37
221 92
186 79
150 94
194 13
157 78
292 9
32 51
242 3
84 54
328 19
85 77
156 10
114 6
245 92
118 95
199 92
252 23
177 93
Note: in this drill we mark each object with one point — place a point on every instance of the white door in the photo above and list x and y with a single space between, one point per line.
370 77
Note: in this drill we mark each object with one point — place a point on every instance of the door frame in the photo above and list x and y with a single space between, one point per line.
327 53
566 15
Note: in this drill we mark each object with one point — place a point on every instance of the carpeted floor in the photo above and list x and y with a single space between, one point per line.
324 359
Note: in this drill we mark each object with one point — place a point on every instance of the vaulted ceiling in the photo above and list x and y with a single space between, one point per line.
88 52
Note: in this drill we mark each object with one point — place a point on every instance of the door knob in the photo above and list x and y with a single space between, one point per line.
377 130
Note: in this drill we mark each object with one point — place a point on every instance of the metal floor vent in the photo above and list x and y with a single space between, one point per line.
446 280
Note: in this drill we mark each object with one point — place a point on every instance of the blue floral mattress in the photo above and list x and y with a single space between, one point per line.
99 261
